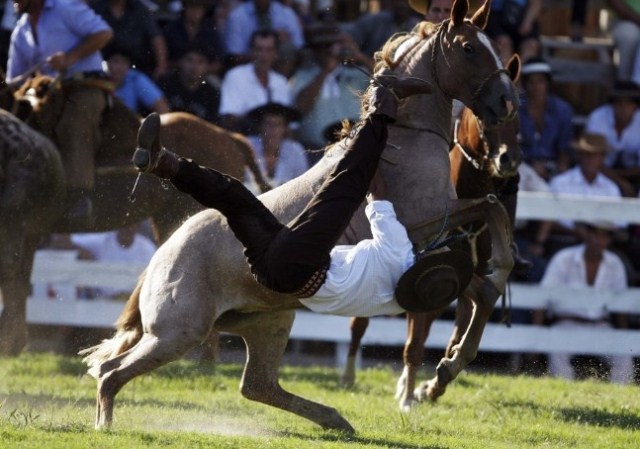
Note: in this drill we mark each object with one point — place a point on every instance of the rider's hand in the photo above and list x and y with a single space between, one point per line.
377 189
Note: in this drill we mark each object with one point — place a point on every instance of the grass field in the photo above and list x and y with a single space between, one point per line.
46 401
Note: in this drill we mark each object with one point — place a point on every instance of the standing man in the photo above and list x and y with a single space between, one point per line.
65 37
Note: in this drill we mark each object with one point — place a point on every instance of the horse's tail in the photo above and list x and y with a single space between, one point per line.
128 333
250 161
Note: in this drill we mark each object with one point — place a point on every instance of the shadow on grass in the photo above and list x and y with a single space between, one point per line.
600 418
346 438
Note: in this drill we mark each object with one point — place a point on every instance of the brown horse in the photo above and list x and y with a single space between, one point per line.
481 163
167 208
199 279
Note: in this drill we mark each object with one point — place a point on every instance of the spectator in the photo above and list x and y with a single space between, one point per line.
256 15
619 121
186 88
124 245
279 157
545 121
325 91
626 34
253 84
70 37
371 31
585 179
434 11
586 266
136 29
195 26
513 24
133 87
7 24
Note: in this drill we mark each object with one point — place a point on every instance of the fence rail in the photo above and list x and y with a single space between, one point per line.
56 267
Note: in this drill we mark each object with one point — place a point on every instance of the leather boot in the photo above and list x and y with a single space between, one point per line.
150 156
402 86
510 203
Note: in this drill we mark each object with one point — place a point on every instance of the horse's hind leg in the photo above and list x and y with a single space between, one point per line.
266 340
149 353
358 326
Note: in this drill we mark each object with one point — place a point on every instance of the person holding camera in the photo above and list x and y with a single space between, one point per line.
324 88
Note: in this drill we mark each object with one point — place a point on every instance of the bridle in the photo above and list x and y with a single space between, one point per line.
478 164
434 72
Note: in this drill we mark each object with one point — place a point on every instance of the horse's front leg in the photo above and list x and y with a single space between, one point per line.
358 326
432 389
484 292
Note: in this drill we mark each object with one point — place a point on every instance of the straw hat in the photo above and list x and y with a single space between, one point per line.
434 281
592 143
419 6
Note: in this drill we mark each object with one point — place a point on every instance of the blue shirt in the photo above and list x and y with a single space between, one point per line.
557 132
62 26
244 20
138 92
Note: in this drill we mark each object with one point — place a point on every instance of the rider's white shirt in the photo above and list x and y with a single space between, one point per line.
362 278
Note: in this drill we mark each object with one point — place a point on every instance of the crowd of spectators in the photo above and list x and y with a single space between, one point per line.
287 76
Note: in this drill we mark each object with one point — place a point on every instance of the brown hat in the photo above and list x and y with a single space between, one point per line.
592 143
419 6
434 281
322 34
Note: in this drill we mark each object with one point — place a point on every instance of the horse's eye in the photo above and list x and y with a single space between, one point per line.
468 49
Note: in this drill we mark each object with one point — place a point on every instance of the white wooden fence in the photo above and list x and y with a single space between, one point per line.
61 268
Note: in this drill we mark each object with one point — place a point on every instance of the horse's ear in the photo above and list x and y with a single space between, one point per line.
513 67
459 11
481 17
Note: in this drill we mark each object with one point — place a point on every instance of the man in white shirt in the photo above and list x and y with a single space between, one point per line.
588 265
248 86
301 257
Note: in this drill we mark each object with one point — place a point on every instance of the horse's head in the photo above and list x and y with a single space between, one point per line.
45 97
466 66
461 62
494 149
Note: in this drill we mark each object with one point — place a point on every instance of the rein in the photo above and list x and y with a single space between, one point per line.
477 164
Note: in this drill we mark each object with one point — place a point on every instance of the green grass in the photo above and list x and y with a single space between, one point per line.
46 401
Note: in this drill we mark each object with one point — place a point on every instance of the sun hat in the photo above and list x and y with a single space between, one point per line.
434 281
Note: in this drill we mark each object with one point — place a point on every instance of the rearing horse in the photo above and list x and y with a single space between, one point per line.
482 163
199 280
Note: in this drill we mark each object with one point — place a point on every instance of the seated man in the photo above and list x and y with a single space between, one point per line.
300 258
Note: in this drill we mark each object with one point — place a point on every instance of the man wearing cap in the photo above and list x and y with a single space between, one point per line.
587 265
300 258
545 121
279 157
587 178
619 121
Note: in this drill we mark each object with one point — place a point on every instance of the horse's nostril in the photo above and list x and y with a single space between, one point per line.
504 158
